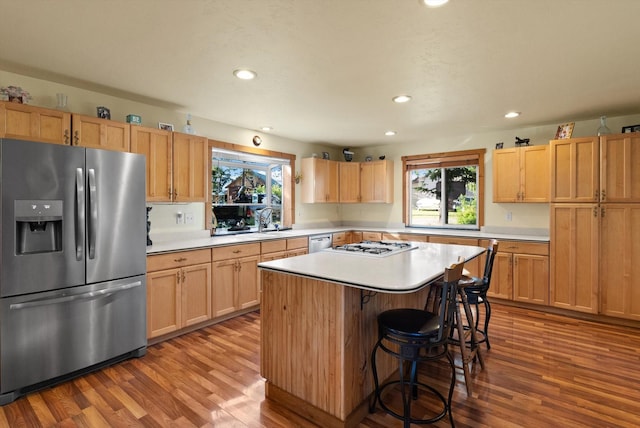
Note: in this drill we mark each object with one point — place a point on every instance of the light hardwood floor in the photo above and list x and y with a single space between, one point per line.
542 370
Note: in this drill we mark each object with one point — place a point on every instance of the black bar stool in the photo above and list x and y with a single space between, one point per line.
413 336
476 292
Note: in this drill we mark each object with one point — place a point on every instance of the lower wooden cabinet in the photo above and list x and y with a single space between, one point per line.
235 278
178 291
521 272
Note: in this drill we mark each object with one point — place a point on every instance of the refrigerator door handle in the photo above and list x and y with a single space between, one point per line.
93 213
105 292
79 223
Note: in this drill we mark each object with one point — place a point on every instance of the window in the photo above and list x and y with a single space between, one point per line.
243 184
444 189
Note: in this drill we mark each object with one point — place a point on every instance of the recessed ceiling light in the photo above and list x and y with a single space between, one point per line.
390 133
512 114
267 128
434 3
244 74
401 99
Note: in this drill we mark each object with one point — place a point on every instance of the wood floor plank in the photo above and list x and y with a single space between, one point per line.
543 370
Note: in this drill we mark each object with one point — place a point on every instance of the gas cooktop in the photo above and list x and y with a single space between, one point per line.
374 248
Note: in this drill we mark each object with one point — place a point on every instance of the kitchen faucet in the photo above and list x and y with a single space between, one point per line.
263 218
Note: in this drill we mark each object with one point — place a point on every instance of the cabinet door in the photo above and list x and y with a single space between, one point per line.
223 279
196 294
156 145
619 171
349 182
247 282
501 285
506 175
376 182
101 133
574 170
163 302
190 178
574 257
534 175
620 260
320 178
297 252
531 278
24 122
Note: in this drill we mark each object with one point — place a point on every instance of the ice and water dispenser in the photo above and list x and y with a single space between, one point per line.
38 226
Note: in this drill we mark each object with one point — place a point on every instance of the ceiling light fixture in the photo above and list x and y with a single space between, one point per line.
434 3
390 133
267 128
512 114
245 74
401 99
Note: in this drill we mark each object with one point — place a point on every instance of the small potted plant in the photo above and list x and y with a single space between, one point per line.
15 94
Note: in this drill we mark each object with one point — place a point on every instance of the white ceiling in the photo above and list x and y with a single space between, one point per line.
327 69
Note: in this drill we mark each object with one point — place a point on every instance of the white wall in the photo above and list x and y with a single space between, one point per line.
163 215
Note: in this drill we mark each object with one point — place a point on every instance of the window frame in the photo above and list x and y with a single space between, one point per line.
443 160
288 192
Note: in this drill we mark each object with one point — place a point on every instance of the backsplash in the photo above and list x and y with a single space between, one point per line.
176 217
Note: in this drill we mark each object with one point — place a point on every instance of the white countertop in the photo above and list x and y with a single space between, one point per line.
404 272
201 239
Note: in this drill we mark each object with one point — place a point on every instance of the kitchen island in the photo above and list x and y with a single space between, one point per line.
318 320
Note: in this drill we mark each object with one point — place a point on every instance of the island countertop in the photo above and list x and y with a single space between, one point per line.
404 272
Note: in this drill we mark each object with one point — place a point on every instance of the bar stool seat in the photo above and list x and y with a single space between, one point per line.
413 336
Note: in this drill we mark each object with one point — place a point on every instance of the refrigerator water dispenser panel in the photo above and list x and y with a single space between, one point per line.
38 226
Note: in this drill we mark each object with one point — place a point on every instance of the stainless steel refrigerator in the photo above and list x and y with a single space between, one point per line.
73 262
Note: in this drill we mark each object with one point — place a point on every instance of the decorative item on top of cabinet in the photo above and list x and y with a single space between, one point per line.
321 180
235 278
25 122
15 94
100 133
521 174
178 291
103 112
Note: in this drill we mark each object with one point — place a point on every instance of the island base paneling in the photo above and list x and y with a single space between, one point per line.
317 342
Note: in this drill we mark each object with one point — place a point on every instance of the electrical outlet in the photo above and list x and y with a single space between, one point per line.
179 218
189 218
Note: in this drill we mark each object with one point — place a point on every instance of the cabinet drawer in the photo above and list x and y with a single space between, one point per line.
538 248
404 237
453 240
339 238
295 243
178 259
235 251
371 236
273 246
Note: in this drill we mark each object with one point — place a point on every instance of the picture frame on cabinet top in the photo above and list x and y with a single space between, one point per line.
564 131
165 126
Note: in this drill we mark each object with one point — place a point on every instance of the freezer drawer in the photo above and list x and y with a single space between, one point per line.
50 334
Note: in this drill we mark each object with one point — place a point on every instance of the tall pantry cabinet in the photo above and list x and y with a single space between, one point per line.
595 224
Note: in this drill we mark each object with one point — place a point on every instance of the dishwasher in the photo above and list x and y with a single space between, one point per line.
320 242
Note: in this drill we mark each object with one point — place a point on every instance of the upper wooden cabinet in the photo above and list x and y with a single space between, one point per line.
190 161
176 164
319 180
620 168
574 170
349 182
521 174
25 122
156 145
100 133
376 181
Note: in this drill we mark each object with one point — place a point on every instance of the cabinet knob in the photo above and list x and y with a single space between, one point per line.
66 136
181 259
603 195
76 138
178 276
